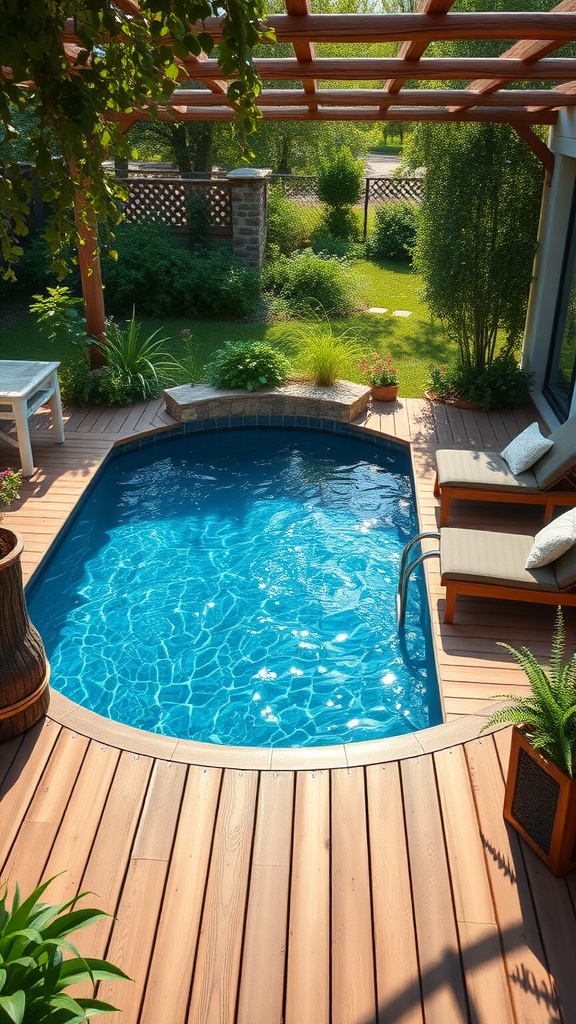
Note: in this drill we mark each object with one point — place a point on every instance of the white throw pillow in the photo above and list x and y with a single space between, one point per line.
553 540
526 449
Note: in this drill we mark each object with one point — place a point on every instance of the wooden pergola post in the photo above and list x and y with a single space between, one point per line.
90 276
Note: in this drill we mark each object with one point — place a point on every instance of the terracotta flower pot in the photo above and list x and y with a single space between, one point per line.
385 394
24 671
540 803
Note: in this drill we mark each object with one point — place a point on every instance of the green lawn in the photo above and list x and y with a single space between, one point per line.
413 342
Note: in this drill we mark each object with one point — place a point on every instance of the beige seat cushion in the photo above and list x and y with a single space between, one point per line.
481 470
479 556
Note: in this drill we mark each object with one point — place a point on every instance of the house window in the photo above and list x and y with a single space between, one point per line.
561 370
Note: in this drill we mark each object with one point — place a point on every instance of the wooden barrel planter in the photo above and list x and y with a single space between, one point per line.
24 670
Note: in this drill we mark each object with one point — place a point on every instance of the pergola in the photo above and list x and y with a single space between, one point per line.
482 91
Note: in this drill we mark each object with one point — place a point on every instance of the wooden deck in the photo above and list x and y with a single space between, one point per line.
382 888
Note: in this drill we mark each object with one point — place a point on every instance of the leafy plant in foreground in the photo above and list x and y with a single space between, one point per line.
10 481
549 713
33 972
248 364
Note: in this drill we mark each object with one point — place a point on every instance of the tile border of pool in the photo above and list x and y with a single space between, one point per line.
365 752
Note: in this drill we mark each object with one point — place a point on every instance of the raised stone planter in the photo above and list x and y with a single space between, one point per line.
343 402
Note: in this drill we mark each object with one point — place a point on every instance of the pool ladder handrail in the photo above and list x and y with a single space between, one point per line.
406 570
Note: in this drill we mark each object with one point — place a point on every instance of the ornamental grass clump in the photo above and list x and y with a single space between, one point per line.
33 971
248 364
548 714
324 354
379 372
10 480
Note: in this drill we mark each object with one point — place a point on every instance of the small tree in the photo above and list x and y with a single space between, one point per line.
340 186
476 234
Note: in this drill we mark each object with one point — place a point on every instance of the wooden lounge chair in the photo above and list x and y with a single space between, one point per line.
486 476
479 563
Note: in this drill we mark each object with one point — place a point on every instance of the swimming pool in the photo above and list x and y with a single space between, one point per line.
238 587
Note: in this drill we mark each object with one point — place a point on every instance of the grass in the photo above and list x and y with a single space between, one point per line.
414 343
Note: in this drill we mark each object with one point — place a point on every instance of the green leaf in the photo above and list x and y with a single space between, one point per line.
14 1006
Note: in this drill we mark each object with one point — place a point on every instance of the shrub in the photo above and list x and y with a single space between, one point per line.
59 315
309 281
342 248
501 385
248 364
198 214
324 354
164 279
394 234
342 222
287 223
34 974
340 179
136 369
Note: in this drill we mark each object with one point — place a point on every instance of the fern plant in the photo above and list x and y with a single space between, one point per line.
548 714
33 971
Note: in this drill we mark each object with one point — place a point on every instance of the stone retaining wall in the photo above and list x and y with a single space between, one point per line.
343 402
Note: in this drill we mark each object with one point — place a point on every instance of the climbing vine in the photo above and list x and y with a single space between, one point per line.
82 69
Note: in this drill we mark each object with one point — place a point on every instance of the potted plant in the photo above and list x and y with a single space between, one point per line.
540 798
24 671
381 376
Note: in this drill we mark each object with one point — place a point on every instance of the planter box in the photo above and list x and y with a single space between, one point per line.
540 803
344 402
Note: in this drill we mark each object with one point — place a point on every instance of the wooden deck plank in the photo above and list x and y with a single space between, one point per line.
262 993
217 971
397 975
75 837
485 974
109 857
308 971
40 825
134 930
438 950
531 988
169 979
353 971
21 780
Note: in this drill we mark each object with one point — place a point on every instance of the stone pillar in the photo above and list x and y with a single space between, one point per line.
249 202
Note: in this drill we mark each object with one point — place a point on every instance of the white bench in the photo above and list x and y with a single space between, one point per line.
25 386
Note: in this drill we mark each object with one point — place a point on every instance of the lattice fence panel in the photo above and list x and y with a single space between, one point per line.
381 190
165 201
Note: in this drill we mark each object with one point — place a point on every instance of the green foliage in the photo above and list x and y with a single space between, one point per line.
324 353
126 57
58 314
10 480
342 222
248 364
198 213
287 225
549 713
154 270
476 235
340 179
501 385
136 369
341 248
33 971
309 281
394 232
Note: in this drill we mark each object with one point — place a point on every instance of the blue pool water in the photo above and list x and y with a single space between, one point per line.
238 587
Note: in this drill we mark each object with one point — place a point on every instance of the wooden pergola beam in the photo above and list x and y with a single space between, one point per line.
301 113
524 98
412 49
304 49
369 68
539 148
301 26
